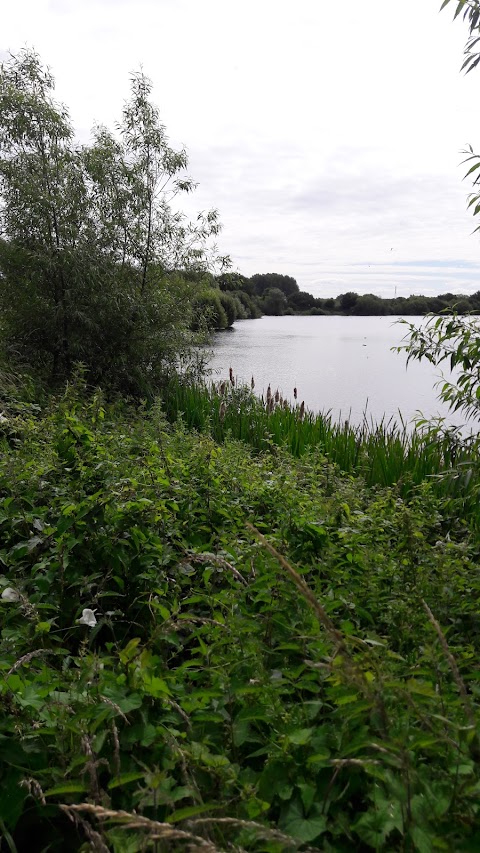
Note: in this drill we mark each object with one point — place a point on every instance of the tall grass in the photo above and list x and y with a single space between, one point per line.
383 454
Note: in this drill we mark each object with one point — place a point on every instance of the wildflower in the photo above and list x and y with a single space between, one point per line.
230 373
295 393
88 618
221 411
10 594
252 383
277 395
302 410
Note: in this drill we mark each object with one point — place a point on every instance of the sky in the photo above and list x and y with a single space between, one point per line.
327 134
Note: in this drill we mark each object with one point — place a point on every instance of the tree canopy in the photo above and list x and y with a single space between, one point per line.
265 281
92 236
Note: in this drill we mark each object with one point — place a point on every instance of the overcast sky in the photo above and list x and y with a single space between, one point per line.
328 134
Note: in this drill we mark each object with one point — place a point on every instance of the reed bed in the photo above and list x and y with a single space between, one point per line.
384 454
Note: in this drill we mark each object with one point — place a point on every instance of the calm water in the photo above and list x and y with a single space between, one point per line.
342 364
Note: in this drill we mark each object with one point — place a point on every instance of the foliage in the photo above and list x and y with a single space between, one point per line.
301 301
455 341
247 290
384 454
208 310
347 301
233 307
221 694
92 240
368 304
274 301
264 281
471 13
236 282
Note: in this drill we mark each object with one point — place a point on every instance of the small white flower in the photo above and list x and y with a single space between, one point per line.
87 618
10 594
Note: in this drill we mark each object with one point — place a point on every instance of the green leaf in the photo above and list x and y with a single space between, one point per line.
130 651
66 788
319 757
306 829
422 688
154 686
285 792
301 736
241 731
374 826
473 169
422 840
308 794
164 612
191 811
12 797
346 699
126 703
125 779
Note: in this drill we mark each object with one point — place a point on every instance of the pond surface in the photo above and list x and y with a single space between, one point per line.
340 364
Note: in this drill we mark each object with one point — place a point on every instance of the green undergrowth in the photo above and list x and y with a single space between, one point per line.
280 656
383 454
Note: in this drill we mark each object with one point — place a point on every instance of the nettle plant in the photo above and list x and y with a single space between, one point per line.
205 645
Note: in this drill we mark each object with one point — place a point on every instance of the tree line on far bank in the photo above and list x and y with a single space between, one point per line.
275 294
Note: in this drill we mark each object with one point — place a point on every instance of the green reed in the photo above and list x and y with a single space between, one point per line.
384 454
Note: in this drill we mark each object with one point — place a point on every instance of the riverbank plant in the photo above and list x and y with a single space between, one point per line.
385 454
212 646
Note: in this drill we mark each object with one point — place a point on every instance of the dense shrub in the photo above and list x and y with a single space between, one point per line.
160 657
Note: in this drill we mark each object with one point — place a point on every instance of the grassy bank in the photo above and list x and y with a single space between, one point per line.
383 454
214 646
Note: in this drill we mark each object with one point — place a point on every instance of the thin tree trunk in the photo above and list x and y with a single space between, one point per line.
149 227
60 283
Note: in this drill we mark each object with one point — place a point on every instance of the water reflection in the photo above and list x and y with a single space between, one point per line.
340 364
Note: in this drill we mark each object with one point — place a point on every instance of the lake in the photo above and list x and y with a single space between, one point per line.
340 364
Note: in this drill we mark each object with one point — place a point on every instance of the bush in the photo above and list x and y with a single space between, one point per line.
162 657
208 311
88 238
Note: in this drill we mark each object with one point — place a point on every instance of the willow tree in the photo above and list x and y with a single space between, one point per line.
470 10
449 339
93 240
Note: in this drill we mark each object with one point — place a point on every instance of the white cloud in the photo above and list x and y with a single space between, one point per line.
326 134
